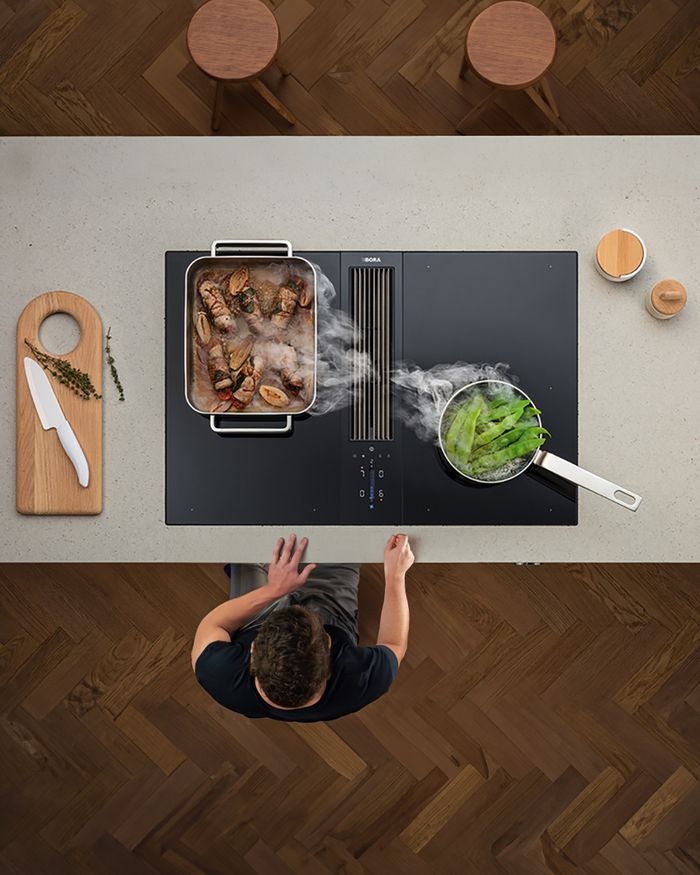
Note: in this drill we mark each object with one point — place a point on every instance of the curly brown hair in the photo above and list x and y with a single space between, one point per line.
291 658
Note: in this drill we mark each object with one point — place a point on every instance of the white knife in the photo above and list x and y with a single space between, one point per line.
51 416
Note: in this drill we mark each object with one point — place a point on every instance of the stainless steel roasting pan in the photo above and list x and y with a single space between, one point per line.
261 257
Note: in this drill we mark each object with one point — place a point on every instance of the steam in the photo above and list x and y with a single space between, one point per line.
419 395
335 350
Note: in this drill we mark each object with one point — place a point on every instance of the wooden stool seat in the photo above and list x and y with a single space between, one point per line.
511 45
235 41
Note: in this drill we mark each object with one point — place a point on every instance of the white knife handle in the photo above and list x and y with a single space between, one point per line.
70 444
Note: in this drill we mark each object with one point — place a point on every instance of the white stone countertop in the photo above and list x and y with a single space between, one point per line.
95 216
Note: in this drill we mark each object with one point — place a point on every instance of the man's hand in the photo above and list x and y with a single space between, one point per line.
284 576
398 557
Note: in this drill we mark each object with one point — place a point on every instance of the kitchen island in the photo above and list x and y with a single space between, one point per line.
95 216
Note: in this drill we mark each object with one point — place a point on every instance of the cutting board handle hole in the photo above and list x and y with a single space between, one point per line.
59 334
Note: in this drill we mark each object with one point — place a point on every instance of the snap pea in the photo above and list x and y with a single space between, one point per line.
510 437
501 426
503 441
523 447
455 427
499 408
465 439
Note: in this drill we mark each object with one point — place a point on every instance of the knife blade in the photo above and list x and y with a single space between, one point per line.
51 416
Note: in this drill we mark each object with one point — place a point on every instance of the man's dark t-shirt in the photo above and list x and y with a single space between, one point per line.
359 675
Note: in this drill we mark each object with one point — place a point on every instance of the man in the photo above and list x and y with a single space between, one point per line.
288 649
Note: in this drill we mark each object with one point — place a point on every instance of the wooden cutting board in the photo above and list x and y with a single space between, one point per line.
46 480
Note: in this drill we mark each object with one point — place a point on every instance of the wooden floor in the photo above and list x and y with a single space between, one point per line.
112 67
546 720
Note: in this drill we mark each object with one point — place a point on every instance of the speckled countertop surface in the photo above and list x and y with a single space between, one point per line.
95 216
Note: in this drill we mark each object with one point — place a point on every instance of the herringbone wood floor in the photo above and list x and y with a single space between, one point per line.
546 720
357 66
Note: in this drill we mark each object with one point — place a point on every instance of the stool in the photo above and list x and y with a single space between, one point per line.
511 45
236 41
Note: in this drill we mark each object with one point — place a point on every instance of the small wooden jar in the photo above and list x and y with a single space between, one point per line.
620 255
666 299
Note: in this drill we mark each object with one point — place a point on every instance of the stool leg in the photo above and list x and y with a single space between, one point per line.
281 67
546 109
270 98
477 110
218 105
464 68
549 97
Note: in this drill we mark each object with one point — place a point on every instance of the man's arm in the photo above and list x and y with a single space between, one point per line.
283 577
393 623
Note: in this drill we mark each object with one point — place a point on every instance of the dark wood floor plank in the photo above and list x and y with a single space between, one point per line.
546 719
116 66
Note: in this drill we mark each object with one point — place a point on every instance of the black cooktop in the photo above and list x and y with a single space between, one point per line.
514 307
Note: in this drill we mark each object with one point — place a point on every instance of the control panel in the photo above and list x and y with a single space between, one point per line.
374 490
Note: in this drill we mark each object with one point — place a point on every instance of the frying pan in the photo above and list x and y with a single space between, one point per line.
541 458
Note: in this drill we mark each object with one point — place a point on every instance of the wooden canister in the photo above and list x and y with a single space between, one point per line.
620 255
666 299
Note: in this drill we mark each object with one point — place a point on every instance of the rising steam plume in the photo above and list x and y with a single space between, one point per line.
419 395
335 349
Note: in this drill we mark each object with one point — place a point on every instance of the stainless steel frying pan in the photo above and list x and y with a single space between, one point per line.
542 458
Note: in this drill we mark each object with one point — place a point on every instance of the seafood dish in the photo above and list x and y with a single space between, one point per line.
252 344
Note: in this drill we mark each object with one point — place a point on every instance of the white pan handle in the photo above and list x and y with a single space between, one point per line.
232 429
589 481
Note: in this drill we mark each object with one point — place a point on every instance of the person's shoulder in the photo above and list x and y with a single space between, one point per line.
223 670
375 665
221 656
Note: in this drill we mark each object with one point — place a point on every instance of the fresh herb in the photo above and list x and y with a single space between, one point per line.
76 380
110 362
246 300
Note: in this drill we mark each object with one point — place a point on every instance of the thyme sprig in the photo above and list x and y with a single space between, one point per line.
67 374
110 362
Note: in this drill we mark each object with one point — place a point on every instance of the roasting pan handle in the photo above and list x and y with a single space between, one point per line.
581 477
252 247
237 429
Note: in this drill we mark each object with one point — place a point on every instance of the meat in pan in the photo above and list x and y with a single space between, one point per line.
256 340
213 299
287 301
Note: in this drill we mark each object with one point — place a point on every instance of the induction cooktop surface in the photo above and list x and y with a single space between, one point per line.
440 307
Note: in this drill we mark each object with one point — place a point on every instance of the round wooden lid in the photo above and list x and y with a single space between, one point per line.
233 39
620 253
668 297
511 44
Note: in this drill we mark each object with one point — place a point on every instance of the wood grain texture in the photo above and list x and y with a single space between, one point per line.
46 482
511 44
233 39
545 720
619 253
355 67
668 297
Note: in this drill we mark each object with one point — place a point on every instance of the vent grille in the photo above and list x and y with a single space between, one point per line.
371 295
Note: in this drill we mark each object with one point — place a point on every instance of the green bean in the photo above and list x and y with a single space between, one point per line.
503 425
503 441
499 408
510 437
496 460
465 438
455 428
